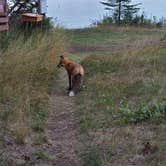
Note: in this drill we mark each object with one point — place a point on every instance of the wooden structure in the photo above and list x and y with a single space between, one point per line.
35 18
30 18
3 16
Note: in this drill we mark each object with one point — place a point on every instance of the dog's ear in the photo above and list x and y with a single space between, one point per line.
62 57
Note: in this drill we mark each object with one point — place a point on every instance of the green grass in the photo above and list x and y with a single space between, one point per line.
110 35
44 156
111 78
122 105
40 139
91 157
155 112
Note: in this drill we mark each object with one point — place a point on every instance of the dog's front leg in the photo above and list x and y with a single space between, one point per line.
70 82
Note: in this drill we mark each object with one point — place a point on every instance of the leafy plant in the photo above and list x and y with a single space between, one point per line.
155 112
44 156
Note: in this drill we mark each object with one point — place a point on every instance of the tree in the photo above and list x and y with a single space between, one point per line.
19 6
121 9
129 12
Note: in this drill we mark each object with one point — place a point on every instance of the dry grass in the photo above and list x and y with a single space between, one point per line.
28 71
138 78
113 36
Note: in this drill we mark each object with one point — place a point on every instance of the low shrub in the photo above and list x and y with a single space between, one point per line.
155 112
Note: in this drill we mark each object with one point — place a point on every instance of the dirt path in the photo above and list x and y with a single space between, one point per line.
62 130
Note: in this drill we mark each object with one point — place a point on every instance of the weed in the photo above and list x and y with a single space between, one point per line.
20 134
38 126
155 112
44 156
40 139
91 157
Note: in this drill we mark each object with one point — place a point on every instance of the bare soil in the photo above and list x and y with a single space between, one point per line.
62 130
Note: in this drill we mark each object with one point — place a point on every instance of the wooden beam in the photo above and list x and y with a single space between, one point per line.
29 17
4 19
4 27
3 14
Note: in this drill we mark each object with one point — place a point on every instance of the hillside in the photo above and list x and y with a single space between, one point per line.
122 106
117 119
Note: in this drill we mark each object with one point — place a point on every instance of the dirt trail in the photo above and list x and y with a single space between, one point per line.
62 130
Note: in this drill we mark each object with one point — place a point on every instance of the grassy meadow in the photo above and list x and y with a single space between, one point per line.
120 109
123 103
106 36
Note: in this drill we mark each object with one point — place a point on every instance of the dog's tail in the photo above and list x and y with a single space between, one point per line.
78 77
78 80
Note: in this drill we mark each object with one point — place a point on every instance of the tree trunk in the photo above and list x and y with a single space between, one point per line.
119 12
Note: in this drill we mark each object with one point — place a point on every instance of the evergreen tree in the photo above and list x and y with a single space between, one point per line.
129 11
121 9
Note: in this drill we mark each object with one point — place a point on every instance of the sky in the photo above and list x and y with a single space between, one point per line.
81 13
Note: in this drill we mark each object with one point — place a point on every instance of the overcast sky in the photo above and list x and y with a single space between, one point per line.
81 13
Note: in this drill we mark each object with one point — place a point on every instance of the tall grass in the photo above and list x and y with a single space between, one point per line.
122 106
27 74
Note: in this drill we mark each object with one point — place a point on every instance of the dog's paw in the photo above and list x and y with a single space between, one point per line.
71 94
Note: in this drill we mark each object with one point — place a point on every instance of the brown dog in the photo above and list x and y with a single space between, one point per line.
75 74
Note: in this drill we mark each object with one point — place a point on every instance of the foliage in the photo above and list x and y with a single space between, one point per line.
155 112
44 156
47 24
134 20
123 12
122 9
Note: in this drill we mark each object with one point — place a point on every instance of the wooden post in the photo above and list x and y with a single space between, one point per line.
3 16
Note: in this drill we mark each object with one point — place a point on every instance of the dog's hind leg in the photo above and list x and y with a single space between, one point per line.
76 84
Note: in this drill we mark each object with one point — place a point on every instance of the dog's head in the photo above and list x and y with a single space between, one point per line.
62 61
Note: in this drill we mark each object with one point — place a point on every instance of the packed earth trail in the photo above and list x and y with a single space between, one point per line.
62 130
